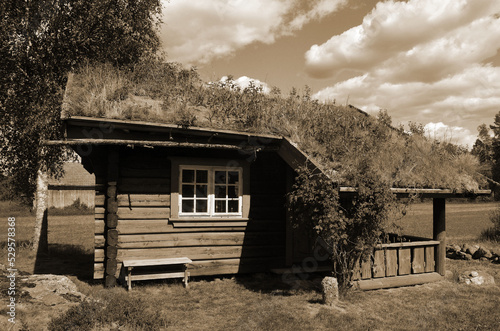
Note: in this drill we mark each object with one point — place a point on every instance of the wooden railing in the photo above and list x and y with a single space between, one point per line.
398 259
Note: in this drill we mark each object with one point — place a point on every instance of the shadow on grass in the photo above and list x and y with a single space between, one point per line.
62 259
282 285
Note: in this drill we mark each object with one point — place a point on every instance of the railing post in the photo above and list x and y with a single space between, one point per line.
439 233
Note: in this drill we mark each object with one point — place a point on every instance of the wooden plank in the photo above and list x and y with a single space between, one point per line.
99 241
144 172
366 269
99 255
144 185
409 244
378 264
388 282
99 212
98 270
143 213
197 239
99 226
156 276
208 224
429 259
153 262
233 266
391 265
418 260
99 200
143 226
404 265
162 226
202 253
144 181
143 200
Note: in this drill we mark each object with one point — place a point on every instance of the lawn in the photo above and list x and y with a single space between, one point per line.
265 301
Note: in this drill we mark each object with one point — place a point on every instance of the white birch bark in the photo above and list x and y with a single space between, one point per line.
41 206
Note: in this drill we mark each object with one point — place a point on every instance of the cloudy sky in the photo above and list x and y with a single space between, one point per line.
427 61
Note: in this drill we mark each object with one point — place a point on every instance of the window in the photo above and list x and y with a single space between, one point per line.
210 191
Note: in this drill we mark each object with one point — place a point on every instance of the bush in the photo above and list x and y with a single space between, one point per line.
77 208
123 309
493 233
350 228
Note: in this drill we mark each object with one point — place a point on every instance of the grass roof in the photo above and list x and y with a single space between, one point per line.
346 142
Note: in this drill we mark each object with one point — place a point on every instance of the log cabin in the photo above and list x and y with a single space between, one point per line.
218 197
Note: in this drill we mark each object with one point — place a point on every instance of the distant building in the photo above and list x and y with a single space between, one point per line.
76 184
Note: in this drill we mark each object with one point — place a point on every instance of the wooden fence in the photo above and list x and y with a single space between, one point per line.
398 264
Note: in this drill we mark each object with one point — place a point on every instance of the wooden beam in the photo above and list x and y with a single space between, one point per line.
152 143
295 157
398 281
439 233
424 193
160 127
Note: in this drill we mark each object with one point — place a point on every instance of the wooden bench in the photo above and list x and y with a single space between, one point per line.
181 261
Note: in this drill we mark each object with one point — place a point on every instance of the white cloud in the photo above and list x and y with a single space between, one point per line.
420 60
244 81
453 134
397 27
197 31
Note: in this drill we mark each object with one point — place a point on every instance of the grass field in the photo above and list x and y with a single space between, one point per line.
264 301
464 221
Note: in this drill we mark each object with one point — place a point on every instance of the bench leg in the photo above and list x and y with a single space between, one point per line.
129 278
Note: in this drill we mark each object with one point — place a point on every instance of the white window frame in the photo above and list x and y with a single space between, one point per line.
211 191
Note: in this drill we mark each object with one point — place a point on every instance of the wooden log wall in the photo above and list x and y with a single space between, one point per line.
229 246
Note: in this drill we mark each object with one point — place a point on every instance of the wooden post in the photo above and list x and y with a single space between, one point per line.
439 233
289 220
110 263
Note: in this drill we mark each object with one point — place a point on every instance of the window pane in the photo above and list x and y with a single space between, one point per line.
220 177
233 177
187 206
201 191
201 206
220 206
187 176
220 191
201 176
233 206
232 191
188 191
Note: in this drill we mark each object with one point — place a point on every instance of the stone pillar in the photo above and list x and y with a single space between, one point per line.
330 290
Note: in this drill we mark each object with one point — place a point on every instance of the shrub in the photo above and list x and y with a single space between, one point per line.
124 309
351 228
493 233
76 208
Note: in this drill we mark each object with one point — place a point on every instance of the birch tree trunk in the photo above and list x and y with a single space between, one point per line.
40 233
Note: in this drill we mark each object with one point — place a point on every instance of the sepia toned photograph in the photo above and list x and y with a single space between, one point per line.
249 165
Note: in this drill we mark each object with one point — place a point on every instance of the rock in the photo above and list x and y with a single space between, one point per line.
482 252
484 259
470 249
51 289
330 288
468 256
476 278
